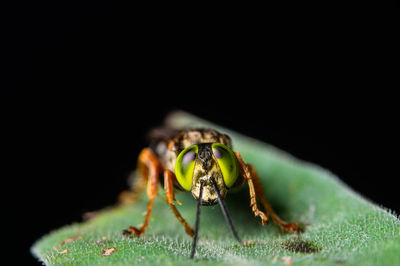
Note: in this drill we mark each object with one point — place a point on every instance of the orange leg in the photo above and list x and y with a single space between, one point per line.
257 191
149 167
169 193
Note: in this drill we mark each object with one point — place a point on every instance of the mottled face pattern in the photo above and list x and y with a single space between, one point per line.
206 163
206 168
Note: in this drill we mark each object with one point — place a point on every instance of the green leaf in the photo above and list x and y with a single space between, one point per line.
341 227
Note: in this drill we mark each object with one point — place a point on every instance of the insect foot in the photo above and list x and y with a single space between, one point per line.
190 231
264 220
263 217
131 231
292 228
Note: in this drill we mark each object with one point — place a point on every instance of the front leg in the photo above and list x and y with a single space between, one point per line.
149 168
257 191
288 227
169 193
244 170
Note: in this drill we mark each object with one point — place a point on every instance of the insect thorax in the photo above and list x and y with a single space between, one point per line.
168 149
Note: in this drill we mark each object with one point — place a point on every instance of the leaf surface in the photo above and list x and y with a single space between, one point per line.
341 227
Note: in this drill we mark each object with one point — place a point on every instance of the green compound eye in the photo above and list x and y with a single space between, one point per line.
227 163
184 166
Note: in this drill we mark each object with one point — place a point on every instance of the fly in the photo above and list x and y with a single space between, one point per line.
200 161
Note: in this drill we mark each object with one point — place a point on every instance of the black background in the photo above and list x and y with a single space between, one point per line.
89 80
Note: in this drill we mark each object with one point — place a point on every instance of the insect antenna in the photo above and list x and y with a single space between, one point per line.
225 212
196 229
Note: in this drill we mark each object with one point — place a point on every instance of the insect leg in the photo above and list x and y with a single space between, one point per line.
247 175
257 191
288 227
169 193
149 167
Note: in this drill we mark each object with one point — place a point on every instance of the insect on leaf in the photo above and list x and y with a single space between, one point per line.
341 227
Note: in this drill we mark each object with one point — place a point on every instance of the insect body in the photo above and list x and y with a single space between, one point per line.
200 161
